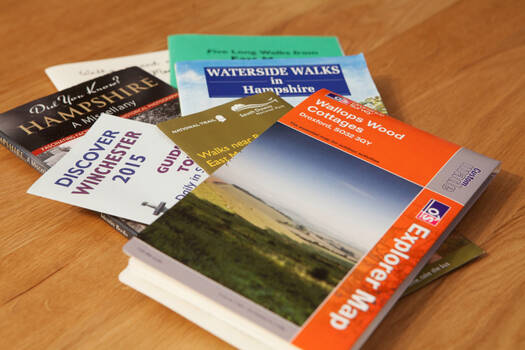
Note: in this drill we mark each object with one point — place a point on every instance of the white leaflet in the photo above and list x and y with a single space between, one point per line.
70 74
121 167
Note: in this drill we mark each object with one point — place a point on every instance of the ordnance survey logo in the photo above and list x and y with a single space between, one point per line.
433 212
241 107
339 98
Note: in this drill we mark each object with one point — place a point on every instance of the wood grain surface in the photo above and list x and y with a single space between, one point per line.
453 68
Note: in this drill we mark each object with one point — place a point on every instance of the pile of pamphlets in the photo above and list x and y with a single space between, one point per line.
285 209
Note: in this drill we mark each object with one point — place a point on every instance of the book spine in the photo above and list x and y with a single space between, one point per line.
23 153
119 225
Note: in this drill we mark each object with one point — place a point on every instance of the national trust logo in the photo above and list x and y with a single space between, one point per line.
220 118
241 107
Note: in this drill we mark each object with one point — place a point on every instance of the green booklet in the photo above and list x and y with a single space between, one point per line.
189 47
455 252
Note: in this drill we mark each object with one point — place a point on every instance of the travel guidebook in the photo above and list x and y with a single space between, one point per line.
309 235
204 84
211 158
42 131
66 75
189 47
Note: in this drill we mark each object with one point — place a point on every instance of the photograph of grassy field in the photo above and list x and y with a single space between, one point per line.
282 274
283 222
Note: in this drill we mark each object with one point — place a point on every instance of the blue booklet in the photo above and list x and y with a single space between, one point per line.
206 84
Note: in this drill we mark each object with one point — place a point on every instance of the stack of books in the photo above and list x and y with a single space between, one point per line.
284 209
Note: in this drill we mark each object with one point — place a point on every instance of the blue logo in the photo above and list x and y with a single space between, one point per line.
300 80
433 212
339 98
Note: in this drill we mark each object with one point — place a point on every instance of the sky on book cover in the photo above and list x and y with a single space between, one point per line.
321 187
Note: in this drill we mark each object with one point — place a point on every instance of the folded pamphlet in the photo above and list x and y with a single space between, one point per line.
189 47
121 167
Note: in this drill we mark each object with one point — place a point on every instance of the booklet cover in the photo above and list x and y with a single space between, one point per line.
455 252
122 167
66 75
189 47
204 84
224 130
313 231
43 131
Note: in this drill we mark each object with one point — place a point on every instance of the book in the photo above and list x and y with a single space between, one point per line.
67 75
309 235
160 289
189 47
132 170
41 132
204 84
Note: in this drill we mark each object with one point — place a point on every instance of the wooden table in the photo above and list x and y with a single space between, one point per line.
453 68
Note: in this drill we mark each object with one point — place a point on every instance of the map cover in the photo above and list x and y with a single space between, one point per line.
315 229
